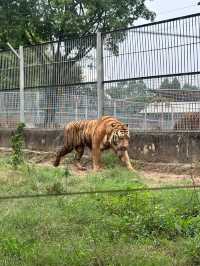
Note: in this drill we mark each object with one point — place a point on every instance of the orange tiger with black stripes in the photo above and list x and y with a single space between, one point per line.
98 135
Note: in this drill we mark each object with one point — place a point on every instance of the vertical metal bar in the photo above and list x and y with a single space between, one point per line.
37 107
115 109
76 109
172 116
21 58
145 117
86 107
100 85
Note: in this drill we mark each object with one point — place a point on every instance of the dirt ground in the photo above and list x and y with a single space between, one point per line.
152 173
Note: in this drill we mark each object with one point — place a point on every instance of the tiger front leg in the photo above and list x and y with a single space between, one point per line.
125 159
60 153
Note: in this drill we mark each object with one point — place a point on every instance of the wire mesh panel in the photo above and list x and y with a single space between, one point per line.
49 69
60 63
9 108
47 107
161 48
163 104
60 82
9 71
151 78
151 74
9 89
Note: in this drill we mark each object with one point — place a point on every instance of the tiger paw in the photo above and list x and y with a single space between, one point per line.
55 163
80 167
97 168
130 168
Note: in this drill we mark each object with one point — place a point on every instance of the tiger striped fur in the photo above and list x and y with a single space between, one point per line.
98 135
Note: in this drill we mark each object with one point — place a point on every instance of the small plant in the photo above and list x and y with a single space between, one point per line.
192 251
57 187
17 142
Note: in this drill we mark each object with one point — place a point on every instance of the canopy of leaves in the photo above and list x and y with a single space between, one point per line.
170 85
136 91
33 21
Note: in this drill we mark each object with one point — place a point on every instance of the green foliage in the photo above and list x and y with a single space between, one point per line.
188 86
173 85
165 85
17 142
192 251
28 22
148 228
132 90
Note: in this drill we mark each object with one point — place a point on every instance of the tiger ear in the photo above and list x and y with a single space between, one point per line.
127 125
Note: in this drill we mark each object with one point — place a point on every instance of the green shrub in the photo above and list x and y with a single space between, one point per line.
17 143
192 252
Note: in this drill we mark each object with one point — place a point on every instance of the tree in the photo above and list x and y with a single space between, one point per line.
32 21
135 90
188 86
175 85
165 85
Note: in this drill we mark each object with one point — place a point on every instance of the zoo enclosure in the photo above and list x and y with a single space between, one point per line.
147 76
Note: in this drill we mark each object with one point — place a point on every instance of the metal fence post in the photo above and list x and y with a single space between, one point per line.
21 59
100 85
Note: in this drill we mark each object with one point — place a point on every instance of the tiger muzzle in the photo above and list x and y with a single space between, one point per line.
121 151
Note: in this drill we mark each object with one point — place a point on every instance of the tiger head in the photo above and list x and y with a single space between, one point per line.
119 137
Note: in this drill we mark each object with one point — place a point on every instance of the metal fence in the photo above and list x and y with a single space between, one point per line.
148 76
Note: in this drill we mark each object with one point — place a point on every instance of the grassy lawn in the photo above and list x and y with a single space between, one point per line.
149 228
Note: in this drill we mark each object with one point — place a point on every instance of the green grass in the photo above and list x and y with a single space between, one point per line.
149 228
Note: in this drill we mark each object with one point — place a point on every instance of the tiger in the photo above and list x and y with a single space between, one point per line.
189 121
98 135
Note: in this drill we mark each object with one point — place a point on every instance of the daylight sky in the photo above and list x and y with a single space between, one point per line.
172 8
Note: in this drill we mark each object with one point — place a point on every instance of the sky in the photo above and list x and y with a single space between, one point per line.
171 8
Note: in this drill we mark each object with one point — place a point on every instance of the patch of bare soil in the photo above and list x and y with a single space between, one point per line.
169 172
153 173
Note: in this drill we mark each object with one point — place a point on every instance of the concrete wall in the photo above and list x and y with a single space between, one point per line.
152 147
165 147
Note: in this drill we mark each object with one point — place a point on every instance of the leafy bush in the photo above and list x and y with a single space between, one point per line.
17 142
192 251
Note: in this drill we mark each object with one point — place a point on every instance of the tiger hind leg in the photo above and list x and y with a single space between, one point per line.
78 155
62 152
96 159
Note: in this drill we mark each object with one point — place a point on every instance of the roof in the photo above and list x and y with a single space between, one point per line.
171 107
178 95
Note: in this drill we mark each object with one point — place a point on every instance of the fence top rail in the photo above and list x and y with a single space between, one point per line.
113 191
154 23
154 77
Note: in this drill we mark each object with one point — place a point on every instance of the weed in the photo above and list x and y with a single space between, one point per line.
17 142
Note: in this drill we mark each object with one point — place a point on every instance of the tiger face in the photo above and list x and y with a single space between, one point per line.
119 138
